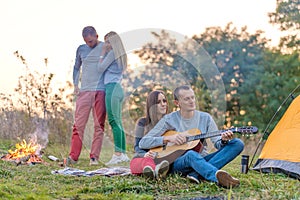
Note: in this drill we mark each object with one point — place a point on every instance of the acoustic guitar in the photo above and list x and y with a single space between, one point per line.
171 151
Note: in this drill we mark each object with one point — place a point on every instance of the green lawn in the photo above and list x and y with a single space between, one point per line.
37 182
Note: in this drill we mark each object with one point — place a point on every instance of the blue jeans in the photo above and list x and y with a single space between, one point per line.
193 164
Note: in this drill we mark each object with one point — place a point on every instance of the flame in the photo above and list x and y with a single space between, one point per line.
24 152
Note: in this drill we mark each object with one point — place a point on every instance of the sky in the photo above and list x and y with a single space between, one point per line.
51 29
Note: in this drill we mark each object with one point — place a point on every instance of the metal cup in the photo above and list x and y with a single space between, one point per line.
244 164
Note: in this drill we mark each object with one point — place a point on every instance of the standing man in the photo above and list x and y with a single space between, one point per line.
195 165
90 96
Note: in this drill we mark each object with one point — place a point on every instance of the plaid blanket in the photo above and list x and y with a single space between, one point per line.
112 171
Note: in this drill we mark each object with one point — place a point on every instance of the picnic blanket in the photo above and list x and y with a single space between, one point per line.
111 171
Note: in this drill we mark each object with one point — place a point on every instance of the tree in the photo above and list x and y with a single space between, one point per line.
277 77
287 16
237 55
256 77
171 62
39 107
36 94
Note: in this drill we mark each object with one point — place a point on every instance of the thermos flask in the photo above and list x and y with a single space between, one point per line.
244 163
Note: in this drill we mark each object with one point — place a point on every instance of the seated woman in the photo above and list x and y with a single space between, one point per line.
143 161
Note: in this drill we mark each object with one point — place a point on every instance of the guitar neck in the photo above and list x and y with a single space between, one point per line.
208 135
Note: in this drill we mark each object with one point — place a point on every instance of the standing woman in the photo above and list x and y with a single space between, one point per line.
143 161
113 62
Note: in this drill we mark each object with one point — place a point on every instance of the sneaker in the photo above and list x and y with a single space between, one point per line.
193 179
226 180
117 159
125 158
70 161
148 172
93 161
162 169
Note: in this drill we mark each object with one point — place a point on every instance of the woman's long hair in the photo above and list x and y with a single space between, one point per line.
151 110
118 48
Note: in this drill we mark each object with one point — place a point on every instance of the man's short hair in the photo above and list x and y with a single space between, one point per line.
89 30
182 87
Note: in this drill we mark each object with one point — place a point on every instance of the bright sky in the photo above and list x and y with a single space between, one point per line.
52 28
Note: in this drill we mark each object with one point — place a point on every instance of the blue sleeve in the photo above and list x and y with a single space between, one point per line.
139 133
76 68
154 137
212 127
107 61
136 144
139 152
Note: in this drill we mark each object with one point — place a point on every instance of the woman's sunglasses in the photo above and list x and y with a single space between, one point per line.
159 101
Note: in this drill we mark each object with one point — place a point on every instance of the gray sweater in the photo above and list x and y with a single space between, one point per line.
173 121
88 58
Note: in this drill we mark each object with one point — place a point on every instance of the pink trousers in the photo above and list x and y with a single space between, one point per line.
137 165
87 101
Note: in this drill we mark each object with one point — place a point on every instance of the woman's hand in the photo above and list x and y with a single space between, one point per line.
106 47
103 51
150 154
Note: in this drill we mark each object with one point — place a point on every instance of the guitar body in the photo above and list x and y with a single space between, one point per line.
171 152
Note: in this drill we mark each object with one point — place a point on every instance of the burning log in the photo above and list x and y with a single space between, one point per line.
22 160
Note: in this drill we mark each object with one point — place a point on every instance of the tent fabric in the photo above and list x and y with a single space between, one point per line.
281 152
278 166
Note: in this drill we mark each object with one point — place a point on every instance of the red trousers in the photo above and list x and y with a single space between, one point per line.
87 101
137 165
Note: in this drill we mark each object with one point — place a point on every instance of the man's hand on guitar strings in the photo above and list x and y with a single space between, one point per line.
227 135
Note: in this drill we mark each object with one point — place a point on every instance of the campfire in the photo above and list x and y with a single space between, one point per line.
25 153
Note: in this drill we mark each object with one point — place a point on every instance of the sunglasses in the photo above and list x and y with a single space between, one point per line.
159 101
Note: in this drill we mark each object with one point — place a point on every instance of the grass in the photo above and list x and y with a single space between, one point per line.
37 182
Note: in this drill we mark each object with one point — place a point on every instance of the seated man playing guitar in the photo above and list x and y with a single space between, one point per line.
195 165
